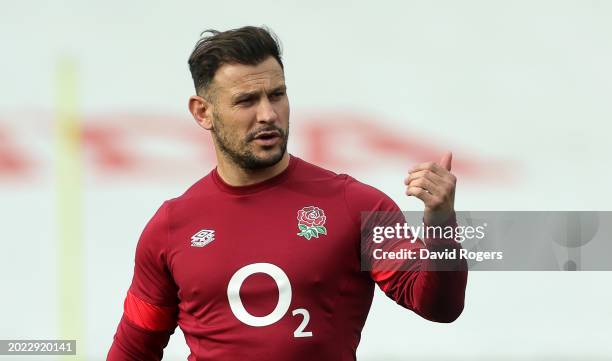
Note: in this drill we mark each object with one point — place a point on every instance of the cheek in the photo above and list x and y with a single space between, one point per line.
282 109
237 124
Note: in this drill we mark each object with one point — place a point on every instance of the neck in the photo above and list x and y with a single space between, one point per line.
235 176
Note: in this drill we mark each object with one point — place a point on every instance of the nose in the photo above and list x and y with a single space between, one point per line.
266 112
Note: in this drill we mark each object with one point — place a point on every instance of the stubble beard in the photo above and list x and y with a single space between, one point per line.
239 152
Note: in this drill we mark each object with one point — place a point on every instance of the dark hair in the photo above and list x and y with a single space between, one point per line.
248 45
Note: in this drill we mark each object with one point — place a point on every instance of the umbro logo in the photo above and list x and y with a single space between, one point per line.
202 238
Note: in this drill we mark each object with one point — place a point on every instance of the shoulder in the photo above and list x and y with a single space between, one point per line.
306 171
362 197
358 196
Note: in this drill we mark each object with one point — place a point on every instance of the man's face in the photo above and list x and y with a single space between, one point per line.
250 113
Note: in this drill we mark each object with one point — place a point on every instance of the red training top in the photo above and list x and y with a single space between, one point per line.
269 271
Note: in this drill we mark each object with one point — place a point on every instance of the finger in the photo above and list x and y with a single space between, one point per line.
428 185
428 175
423 173
431 166
448 179
421 194
446 160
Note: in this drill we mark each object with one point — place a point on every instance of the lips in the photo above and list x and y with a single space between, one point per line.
267 138
267 135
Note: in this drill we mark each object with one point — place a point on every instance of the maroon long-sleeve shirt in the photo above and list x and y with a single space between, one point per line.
269 271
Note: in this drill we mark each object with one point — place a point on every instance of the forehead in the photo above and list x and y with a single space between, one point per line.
237 78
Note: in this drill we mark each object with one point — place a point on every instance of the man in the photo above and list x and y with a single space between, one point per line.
260 259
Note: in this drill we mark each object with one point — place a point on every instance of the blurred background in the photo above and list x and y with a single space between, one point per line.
95 135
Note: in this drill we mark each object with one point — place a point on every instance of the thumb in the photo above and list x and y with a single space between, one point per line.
446 160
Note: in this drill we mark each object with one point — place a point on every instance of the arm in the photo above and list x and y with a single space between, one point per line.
441 288
433 289
150 307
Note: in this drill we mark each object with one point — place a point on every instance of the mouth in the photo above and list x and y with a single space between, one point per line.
267 138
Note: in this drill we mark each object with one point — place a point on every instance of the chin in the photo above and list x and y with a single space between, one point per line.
269 151
269 157
258 157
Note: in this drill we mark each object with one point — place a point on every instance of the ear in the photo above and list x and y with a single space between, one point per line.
202 111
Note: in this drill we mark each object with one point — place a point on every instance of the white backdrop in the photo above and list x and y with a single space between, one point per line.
518 90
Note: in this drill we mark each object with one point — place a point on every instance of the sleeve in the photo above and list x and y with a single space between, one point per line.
435 290
151 304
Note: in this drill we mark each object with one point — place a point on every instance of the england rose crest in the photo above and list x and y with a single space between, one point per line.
311 221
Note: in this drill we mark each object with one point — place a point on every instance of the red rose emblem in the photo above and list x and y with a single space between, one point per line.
311 216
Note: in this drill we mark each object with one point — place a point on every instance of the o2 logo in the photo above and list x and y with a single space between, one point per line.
284 298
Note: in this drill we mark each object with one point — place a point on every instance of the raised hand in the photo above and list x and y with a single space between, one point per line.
434 184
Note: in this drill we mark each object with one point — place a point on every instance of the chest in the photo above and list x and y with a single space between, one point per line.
262 250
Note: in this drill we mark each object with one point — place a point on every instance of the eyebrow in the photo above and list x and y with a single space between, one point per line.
250 95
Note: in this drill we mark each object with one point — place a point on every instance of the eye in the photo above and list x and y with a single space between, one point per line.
244 101
277 94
